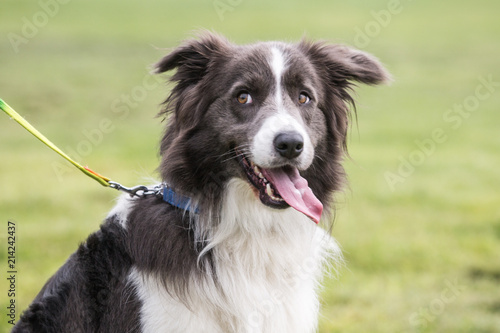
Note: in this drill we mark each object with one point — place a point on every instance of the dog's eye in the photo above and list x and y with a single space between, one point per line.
245 98
304 98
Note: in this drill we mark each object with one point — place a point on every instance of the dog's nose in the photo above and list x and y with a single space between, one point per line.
289 144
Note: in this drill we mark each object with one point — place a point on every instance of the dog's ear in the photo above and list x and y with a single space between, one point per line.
193 58
361 66
340 67
344 64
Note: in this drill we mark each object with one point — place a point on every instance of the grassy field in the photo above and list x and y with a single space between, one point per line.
420 222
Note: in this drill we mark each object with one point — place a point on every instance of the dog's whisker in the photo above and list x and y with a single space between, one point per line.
232 152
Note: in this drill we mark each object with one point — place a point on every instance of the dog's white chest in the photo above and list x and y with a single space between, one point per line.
247 304
242 302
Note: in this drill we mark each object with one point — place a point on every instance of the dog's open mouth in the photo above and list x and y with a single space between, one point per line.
267 192
282 187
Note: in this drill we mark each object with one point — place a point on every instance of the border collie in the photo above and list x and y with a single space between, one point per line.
252 155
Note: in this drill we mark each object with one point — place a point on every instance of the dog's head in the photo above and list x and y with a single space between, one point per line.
272 113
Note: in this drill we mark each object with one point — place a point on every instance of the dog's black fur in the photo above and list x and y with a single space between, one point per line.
77 298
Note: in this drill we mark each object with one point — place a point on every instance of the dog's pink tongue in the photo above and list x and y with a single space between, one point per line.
295 191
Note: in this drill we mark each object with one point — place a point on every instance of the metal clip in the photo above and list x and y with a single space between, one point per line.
138 191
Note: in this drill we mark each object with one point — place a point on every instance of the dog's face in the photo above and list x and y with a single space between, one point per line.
274 114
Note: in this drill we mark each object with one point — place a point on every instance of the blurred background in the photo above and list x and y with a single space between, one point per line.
420 222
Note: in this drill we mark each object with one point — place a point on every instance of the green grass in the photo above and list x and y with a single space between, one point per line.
403 246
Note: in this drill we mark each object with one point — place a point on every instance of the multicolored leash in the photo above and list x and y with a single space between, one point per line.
140 190
162 190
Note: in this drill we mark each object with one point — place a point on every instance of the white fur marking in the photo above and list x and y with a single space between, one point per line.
160 312
278 66
122 209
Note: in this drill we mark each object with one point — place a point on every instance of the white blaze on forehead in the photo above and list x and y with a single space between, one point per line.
277 66
262 149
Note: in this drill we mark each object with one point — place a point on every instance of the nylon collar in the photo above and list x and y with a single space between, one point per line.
178 200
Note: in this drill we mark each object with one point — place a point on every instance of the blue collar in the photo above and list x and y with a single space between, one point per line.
166 192
178 200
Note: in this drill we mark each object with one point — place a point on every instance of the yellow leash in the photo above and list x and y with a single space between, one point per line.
24 123
139 190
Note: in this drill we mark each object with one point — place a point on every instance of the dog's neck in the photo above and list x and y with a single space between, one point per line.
241 218
263 241
265 263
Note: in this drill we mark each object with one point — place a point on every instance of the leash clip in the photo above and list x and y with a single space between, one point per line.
138 191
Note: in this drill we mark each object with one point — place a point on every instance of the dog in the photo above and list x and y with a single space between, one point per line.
251 157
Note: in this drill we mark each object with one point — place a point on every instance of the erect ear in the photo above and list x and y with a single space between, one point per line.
344 64
192 58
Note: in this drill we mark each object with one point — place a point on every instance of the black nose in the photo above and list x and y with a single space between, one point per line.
289 144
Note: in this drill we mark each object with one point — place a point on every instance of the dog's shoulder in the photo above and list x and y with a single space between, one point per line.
84 294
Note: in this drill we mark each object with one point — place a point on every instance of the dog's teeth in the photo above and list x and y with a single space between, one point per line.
256 170
269 190
261 175
276 198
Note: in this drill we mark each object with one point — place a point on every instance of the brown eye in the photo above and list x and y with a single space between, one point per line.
245 98
304 98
